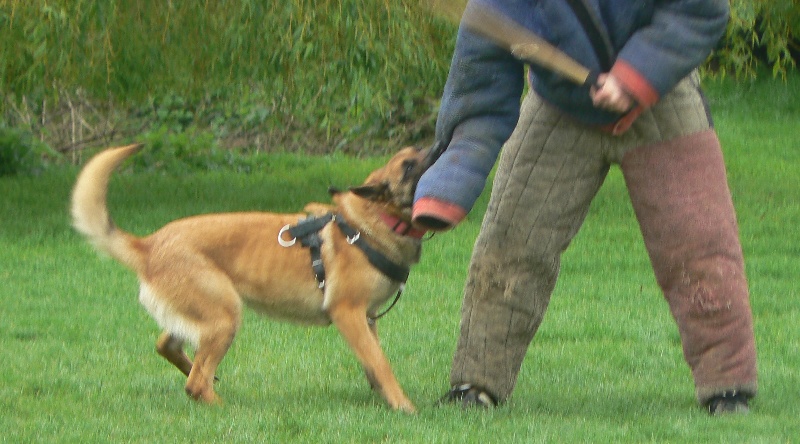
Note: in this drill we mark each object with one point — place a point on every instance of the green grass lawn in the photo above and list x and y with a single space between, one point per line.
79 363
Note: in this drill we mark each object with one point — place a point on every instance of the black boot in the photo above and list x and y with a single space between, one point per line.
469 396
728 402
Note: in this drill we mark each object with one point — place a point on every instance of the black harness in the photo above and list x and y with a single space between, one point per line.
307 231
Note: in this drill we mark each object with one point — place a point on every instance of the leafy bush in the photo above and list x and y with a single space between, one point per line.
190 149
761 32
339 69
314 75
21 153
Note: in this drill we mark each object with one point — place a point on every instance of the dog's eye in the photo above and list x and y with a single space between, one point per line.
408 168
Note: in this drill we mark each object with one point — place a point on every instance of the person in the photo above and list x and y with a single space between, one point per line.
647 114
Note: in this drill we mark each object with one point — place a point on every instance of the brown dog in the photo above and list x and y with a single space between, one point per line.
196 273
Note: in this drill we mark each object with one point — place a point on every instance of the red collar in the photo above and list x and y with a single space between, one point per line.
402 227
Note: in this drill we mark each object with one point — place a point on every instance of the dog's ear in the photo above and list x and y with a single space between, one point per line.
332 190
375 192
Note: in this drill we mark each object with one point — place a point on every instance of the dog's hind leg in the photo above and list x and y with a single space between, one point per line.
221 325
171 348
353 325
200 384
212 348
215 316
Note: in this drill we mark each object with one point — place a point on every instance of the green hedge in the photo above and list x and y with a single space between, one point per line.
316 72
761 32
317 63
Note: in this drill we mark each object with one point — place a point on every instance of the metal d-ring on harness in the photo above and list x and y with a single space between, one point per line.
307 230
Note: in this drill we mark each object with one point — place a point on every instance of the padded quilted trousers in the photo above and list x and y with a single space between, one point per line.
549 171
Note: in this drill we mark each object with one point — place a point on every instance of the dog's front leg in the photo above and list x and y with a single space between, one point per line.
373 328
352 323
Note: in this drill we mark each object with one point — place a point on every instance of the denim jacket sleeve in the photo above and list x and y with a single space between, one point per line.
678 38
479 110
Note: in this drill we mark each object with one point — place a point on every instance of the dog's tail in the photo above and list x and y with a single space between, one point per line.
90 213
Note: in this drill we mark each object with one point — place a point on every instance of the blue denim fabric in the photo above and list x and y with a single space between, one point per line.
662 40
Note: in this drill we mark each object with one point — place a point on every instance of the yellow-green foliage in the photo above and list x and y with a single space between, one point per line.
316 60
761 31
264 73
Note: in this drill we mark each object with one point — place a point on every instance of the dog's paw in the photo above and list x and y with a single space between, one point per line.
406 407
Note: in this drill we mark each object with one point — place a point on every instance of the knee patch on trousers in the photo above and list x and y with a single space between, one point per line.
702 282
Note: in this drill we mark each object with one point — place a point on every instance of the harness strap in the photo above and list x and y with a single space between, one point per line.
395 272
310 225
307 231
372 320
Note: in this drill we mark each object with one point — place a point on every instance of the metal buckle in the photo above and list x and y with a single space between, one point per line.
284 243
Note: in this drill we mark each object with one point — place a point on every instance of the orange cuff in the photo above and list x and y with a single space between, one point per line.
638 87
435 214
635 84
